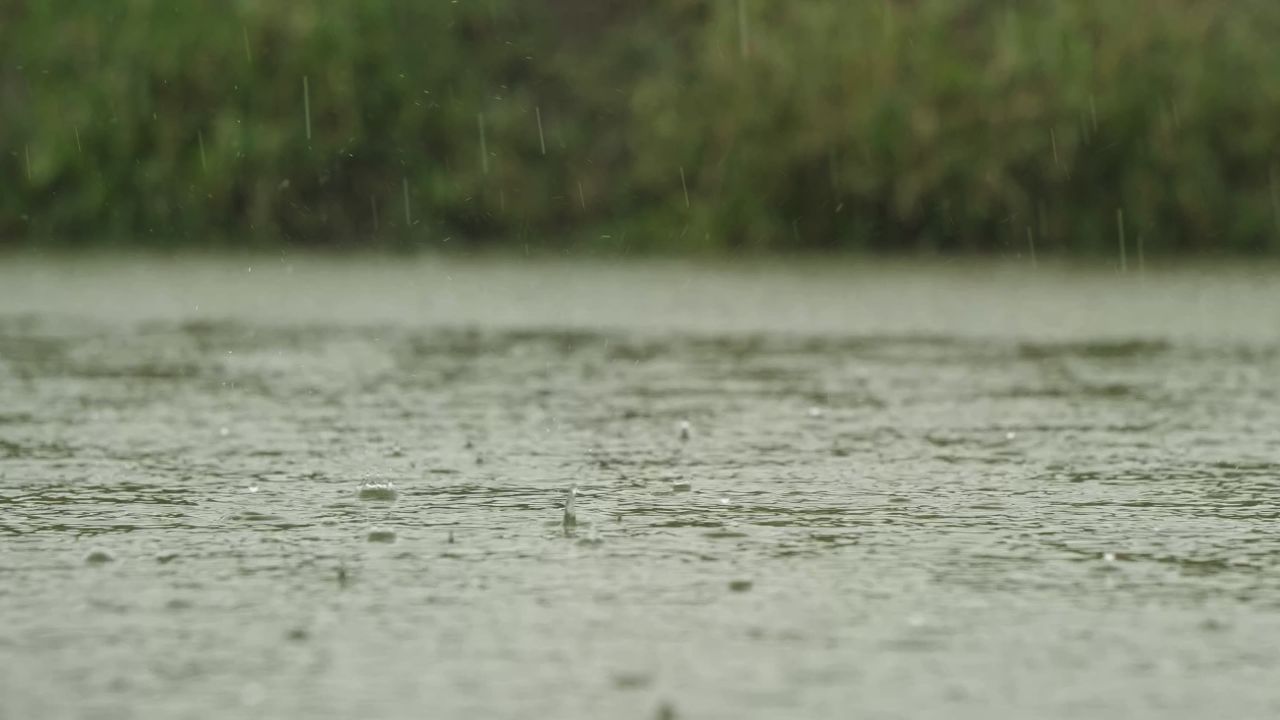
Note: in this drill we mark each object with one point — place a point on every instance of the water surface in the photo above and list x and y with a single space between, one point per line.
947 491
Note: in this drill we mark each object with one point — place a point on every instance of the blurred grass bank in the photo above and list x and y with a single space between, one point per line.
695 126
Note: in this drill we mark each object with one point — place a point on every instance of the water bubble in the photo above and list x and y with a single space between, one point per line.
252 694
631 680
815 412
1010 435
253 488
724 501
378 491
99 556
1108 557
381 535
1213 624
681 486
223 431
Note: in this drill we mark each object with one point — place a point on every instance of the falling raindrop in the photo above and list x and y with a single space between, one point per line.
408 219
484 150
542 141
742 30
306 105
1124 265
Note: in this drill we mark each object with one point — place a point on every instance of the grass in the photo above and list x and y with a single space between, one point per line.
685 126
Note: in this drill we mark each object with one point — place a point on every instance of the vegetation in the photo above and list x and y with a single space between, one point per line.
674 125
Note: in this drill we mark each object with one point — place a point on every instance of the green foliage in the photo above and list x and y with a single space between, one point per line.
676 125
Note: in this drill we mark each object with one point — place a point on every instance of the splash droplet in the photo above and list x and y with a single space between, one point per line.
378 491
570 507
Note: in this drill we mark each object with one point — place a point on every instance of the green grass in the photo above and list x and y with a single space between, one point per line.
902 125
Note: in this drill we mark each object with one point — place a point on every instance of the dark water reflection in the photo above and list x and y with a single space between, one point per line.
871 525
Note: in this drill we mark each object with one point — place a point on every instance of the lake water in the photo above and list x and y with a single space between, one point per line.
906 491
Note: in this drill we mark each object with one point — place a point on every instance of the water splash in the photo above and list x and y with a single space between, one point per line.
375 490
570 518
99 556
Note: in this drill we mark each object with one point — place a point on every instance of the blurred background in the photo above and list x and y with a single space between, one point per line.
673 126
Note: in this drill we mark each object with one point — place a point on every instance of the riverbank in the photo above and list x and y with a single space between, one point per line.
959 127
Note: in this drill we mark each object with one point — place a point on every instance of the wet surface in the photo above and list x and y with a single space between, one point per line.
232 515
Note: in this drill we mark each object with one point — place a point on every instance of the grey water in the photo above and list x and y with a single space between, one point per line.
306 487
